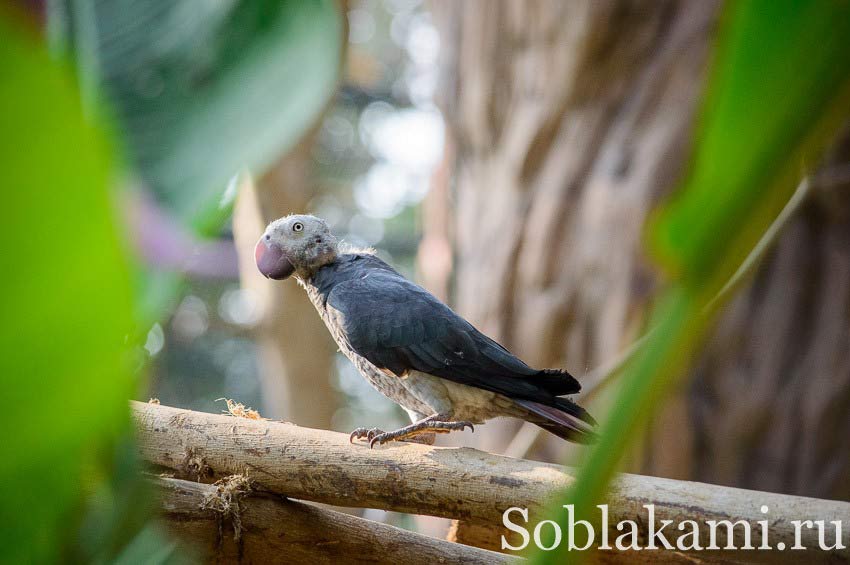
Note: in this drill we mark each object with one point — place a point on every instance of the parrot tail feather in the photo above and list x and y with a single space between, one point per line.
557 382
566 419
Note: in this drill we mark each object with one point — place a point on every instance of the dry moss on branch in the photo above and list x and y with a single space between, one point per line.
239 410
225 502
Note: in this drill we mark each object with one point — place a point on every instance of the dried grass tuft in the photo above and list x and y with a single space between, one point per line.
225 500
238 410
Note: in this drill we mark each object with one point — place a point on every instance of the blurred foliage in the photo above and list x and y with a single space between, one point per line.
384 105
777 96
200 91
197 91
66 301
203 90
778 93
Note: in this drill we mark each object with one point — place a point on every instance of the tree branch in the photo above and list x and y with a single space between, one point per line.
269 529
459 483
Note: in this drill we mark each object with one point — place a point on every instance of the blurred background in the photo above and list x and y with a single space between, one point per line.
365 165
505 155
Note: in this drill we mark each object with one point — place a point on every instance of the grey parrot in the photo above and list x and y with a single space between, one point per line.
414 349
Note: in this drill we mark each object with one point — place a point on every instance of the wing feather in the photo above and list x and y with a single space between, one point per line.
399 326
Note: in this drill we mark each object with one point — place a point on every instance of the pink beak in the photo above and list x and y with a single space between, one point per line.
271 261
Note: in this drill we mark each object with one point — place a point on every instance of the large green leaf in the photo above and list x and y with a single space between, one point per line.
65 299
778 93
778 90
201 89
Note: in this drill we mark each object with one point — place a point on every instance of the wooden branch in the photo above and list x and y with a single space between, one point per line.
269 529
458 483
490 538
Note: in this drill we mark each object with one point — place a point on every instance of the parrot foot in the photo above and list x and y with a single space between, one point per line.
368 433
426 426
361 433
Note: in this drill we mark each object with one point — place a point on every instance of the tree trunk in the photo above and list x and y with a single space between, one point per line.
570 120
768 405
297 354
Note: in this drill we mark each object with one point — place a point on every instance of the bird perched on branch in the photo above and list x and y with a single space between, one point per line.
413 348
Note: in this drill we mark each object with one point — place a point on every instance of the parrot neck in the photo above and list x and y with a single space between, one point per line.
316 257
323 278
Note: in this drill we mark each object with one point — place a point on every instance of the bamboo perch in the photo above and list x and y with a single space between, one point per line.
249 527
459 483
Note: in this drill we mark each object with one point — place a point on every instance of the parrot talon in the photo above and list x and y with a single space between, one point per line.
410 433
364 433
379 439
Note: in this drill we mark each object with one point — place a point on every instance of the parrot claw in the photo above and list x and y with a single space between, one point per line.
408 433
364 433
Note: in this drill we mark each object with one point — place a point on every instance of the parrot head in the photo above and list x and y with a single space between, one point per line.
296 244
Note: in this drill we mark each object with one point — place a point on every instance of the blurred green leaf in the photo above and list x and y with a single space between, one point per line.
158 294
65 297
779 92
203 90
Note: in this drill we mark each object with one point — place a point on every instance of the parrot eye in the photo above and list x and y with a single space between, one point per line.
297 226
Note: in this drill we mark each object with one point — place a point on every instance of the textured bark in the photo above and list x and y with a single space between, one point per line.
465 484
768 406
491 538
265 528
296 352
569 120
